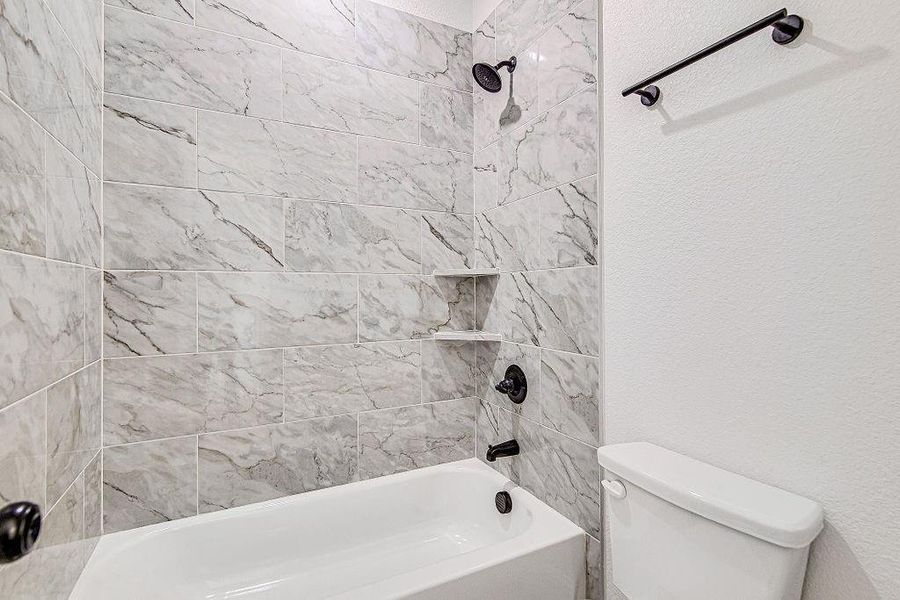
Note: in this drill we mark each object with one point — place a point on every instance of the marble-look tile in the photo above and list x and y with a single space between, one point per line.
22 218
42 309
50 571
517 103
569 54
167 396
149 312
570 395
513 307
93 315
493 425
314 26
150 482
322 236
570 228
520 22
53 567
73 209
335 95
484 41
191 229
594 568
238 154
268 310
484 174
513 106
43 74
163 60
397 307
488 316
447 242
82 20
506 237
331 380
93 498
569 310
560 471
493 360
73 428
484 119
399 439
23 429
446 119
397 42
411 176
92 114
254 465
448 370
149 142
177 10
558 147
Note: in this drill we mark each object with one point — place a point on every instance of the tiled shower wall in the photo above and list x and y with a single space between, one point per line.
281 179
538 220
279 182
50 254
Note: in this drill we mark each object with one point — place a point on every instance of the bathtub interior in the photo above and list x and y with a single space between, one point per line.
329 542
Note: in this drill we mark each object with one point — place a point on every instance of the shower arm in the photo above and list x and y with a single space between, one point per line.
509 64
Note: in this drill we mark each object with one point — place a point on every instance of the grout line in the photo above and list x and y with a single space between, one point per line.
538 424
358 309
335 273
45 388
55 261
197 144
197 473
283 197
248 350
316 128
283 385
186 436
196 309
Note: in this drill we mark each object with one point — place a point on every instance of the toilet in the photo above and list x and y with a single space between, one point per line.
681 529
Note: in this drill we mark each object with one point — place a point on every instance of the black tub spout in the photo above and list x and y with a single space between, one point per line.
510 448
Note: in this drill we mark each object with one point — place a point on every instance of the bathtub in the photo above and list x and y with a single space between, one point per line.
429 534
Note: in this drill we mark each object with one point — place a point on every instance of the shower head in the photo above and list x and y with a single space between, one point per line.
488 77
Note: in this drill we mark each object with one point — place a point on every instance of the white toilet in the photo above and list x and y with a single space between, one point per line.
681 529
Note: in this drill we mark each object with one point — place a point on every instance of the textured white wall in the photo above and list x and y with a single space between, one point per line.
456 13
752 250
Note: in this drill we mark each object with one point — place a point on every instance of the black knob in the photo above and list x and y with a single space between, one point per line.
20 526
503 502
515 385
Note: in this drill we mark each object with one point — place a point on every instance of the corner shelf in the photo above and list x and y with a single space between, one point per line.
484 272
467 336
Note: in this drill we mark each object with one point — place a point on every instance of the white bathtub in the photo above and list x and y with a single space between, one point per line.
433 533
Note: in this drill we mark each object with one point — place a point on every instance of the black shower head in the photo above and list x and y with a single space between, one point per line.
488 77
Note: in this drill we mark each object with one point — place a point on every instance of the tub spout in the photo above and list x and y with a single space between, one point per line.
510 448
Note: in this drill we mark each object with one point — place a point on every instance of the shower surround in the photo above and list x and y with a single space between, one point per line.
50 258
537 211
279 181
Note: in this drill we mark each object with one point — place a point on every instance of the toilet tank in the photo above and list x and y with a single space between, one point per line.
681 529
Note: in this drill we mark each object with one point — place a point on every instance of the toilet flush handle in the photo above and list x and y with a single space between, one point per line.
615 488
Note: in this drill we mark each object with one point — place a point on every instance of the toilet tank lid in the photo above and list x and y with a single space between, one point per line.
757 509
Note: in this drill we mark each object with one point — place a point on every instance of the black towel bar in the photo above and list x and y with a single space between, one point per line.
786 28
